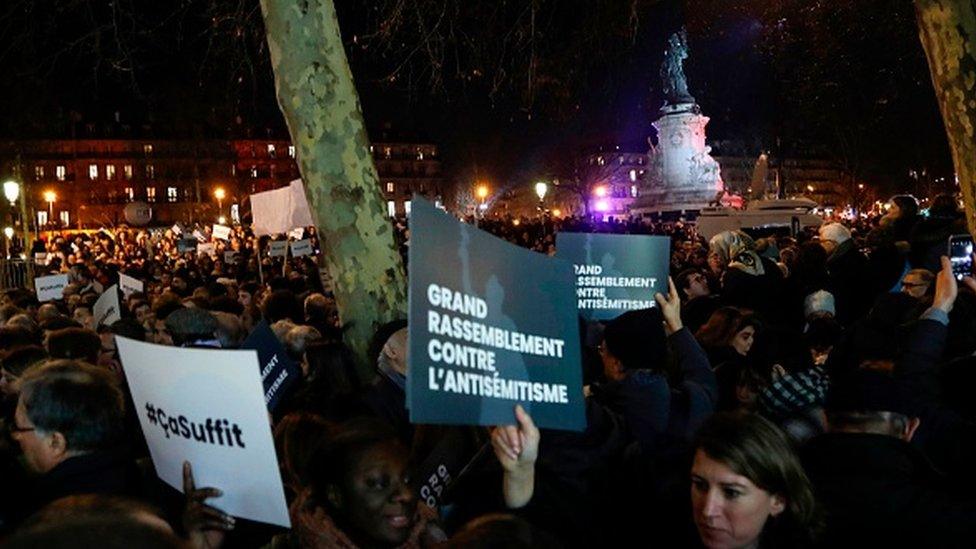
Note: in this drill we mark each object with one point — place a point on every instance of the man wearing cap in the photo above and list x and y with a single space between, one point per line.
871 471
847 269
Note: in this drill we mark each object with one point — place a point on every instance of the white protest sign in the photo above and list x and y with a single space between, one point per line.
106 309
206 248
278 248
199 236
221 231
177 230
41 258
130 285
50 287
296 233
230 257
301 247
206 407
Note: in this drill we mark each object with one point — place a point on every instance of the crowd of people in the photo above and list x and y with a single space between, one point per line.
788 391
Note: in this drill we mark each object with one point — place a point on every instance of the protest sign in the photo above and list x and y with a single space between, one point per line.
106 309
177 230
278 372
615 273
184 245
221 231
278 248
50 287
280 210
296 233
206 407
206 248
301 247
130 285
491 325
40 258
230 257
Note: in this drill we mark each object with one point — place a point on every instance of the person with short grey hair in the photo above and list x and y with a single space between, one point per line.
69 423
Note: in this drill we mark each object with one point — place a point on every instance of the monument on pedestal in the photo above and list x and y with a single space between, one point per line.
682 175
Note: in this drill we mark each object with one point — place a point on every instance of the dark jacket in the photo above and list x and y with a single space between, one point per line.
879 491
110 472
765 294
653 408
849 281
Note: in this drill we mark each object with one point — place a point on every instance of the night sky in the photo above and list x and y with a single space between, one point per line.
795 78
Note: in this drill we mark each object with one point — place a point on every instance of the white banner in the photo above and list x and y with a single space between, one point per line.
280 210
301 247
206 407
130 285
50 287
106 309
221 231
206 248
278 248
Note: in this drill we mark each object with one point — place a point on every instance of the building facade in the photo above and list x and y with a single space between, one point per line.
610 177
88 183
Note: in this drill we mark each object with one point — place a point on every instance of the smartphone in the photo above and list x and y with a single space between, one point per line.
961 255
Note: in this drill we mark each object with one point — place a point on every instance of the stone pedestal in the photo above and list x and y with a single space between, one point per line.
682 175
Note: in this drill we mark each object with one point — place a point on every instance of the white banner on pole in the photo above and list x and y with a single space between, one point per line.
301 247
106 309
280 210
206 407
50 287
278 248
221 231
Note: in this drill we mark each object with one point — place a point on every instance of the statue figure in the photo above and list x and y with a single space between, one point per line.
672 70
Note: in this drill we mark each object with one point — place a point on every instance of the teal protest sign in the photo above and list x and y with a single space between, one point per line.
615 273
491 325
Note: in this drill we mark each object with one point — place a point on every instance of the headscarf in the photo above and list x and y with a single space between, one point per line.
737 250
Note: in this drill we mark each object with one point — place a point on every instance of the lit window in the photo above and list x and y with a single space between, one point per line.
171 194
254 172
271 150
127 172
600 161
41 218
233 170
291 151
633 191
371 149
150 171
147 148
633 175
110 172
93 171
390 187
387 152
420 153
60 172
130 194
65 218
150 194
406 207
38 173
390 208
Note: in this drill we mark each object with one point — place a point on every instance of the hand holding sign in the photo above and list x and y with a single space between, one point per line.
670 308
204 525
517 448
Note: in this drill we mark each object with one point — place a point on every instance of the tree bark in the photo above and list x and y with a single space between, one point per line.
947 29
317 95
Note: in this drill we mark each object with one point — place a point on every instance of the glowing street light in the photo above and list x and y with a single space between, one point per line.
50 197
600 191
482 192
11 190
219 193
810 188
540 189
222 220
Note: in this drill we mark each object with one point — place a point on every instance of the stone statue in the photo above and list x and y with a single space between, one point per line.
673 72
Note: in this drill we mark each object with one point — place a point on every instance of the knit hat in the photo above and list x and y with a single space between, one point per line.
836 232
820 301
637 339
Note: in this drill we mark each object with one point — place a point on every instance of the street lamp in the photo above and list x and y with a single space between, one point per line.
50 197
220 194
11 190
